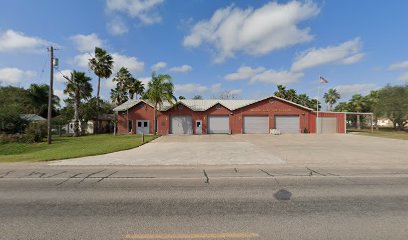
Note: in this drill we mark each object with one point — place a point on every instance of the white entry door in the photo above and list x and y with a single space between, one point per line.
199 127
142 126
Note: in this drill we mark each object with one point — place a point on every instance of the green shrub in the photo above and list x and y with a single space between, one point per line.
35 132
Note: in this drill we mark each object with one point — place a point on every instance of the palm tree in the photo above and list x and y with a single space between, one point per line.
291 95
118 97
78 88
123 78
38 95
101 64
331 97
160 89
358 104
136 88
303 99
282 93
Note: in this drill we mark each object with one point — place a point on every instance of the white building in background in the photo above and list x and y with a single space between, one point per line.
105 125
385 122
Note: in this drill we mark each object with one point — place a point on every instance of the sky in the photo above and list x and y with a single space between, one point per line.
209 47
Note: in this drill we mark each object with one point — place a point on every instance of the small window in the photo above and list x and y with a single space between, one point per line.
145 124
180 106
139 124
218 106
198 124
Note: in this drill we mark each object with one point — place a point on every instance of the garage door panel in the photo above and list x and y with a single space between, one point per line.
181 125
218 124
328 124
256 124
287 124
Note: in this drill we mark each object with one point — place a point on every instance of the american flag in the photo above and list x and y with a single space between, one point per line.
323 80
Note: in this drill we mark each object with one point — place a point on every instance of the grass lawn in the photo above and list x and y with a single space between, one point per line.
69 147
383 132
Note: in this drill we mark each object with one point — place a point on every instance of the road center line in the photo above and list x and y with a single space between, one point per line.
192 236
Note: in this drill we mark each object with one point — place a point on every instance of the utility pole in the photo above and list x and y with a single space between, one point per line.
51 50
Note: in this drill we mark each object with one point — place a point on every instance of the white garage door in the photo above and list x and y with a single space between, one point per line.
218 124
287 124
256 124
328 124
181 125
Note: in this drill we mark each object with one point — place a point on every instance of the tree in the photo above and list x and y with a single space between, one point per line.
303 99
291 95
88 110
197 97
135 88
38 96
123 79
372 102
342 107
78 88
160 89
331 97
281 93
181 97
228 95
393 104
118 97
358 104
101 64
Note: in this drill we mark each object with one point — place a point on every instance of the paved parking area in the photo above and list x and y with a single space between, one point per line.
286 150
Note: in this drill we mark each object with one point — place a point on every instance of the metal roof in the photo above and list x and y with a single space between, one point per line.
203 105
126 105
32 117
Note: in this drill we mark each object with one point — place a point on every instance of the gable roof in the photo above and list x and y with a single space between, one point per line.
205 104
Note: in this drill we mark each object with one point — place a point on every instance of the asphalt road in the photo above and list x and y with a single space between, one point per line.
192 203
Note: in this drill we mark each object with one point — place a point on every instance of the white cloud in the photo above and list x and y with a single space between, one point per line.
263 75
11 40
348 90
276 77
235 91
145 80
243 73
117 26
216 88
14 76
82 60
86 43
60 94
181 69
131 63
58 75
400 65
144 10
403 77
158 66
346 53
190 88
253 31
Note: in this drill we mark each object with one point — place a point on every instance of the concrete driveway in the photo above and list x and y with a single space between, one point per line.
284 150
